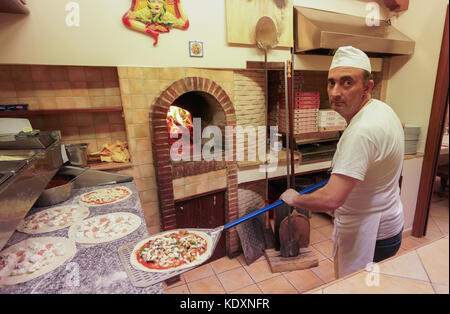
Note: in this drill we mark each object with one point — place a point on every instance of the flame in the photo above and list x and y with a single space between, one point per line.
176 117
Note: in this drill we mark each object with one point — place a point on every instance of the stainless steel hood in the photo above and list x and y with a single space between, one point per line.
320 32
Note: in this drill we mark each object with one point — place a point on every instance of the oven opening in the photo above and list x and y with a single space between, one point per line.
203 111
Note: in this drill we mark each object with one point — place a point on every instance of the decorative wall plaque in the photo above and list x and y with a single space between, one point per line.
153 17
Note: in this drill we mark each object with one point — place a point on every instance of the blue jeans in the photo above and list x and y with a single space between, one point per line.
387 248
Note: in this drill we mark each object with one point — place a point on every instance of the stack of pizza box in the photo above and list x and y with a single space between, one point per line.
330 120
306 113
277 95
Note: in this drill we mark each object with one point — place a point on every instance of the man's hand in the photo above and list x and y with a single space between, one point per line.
328 198
289 197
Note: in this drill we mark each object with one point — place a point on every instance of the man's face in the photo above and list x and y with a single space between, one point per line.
155 5
346 90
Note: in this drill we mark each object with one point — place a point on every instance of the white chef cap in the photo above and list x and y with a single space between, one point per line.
349 56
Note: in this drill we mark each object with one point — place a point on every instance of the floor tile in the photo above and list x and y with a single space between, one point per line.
320 220
325 248
442 223
252 289
303 280
364 283
198 273
276 285
319 255
183 289
408 265
182 281
235 279
225 263
439 209
208 285
409 243
432 235
435 259
327 231
315 236
316 291
325 271
241 259
421 240
260 271
432 226
440 289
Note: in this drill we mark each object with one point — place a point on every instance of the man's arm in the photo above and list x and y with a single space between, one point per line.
328 198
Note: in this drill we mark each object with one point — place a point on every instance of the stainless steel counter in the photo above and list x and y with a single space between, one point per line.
22 181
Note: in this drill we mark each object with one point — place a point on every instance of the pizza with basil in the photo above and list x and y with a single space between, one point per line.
172 250
105 196
53 219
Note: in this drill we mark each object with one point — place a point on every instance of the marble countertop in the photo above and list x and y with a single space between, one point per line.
94 268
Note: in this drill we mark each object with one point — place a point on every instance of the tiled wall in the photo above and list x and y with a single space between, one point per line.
59 87
140 87
95 129
198 184
66 87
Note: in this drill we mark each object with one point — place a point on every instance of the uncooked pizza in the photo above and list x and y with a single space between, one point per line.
104 228
52 219
105 196
172 250
34 257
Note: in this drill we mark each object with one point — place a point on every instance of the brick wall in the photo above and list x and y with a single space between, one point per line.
249 101
146 95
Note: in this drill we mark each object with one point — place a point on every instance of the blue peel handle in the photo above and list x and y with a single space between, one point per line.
269 207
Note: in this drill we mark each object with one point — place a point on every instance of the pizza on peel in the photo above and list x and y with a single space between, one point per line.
171 250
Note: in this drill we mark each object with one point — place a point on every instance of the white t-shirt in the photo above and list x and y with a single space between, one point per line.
371 149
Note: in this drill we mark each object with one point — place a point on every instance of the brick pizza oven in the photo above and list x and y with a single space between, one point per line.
215 101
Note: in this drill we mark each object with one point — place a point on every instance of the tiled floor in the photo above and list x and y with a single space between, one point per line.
234 276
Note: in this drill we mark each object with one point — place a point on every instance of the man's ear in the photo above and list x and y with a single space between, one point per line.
369 86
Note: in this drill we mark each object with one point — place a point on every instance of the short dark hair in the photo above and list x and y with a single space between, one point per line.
367 76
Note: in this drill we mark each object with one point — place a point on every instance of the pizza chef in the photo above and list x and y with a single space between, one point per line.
363 190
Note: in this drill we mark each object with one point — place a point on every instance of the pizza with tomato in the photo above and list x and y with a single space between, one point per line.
171 250
105 196
33 258
104 228
53 219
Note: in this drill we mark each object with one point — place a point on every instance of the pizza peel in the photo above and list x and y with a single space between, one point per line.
141 278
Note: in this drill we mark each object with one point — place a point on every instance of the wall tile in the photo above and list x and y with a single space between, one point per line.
76 74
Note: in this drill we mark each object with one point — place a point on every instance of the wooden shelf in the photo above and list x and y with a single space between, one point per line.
16 113
111 165
315 136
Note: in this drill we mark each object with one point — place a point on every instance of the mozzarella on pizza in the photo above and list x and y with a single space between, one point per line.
171 250
53 219
105 196
34 257
104 228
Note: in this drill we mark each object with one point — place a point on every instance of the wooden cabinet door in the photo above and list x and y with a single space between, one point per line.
204 212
